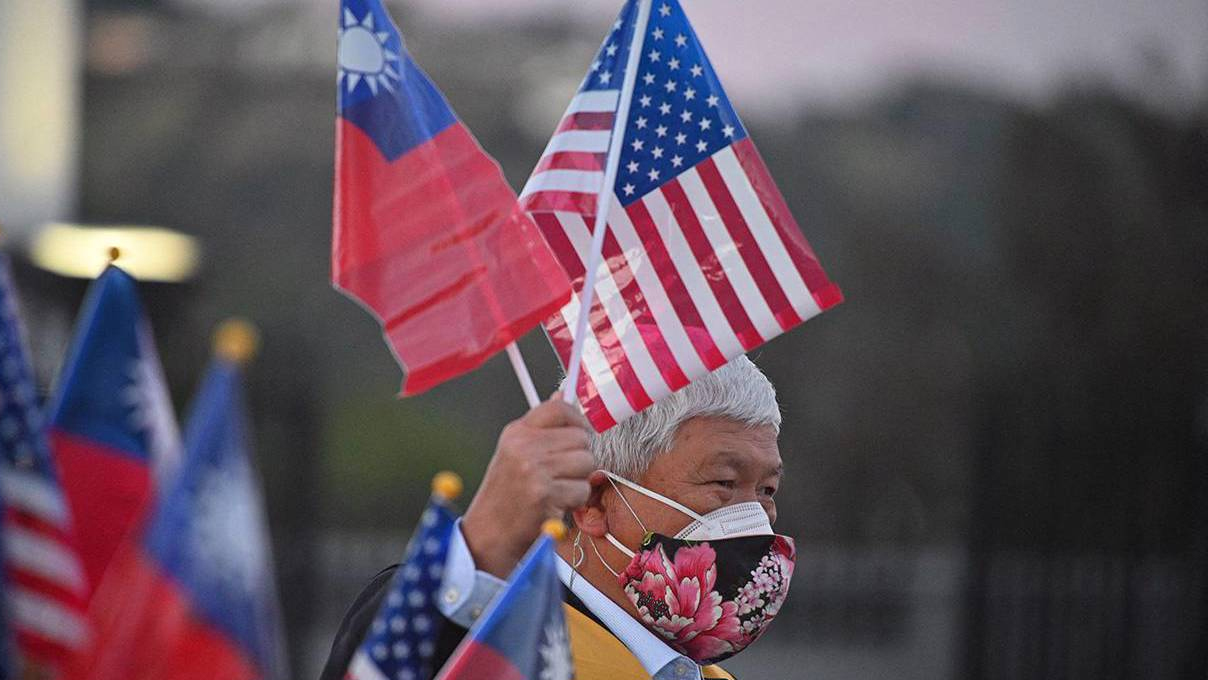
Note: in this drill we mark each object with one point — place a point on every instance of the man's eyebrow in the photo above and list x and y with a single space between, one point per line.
726 457
733 459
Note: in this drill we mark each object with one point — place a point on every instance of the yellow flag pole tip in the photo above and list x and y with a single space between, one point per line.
554 528
236 340
447 485
114 253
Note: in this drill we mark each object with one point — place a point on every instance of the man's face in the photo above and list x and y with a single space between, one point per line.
714 462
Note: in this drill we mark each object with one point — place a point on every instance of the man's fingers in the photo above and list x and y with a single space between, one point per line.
568 494
554 413
575 464
566 438
579 420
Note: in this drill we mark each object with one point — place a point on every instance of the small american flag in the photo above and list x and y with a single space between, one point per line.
47 587
702 260
401 642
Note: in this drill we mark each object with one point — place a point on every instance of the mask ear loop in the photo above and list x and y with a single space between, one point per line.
613 478
601 557
609 536
577 557
625 501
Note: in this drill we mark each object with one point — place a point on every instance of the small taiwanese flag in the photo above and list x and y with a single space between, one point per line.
194 597
427 233
111 425
522 636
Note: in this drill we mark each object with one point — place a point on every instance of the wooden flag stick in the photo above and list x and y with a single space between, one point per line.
604 201
522 374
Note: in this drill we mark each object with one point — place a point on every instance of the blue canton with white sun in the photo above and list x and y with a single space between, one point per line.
381 89
369 53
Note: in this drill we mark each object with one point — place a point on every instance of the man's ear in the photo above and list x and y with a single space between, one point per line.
592 518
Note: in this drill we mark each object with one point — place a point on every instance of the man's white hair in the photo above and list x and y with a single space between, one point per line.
737 390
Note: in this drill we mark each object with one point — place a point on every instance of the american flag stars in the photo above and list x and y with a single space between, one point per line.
674 77
401 642
608 67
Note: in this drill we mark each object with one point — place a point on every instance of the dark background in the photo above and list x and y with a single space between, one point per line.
996 447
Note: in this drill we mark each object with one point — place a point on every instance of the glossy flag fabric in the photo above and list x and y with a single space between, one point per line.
522 635
427 233
194 598
112 429
702 260
402 638
47 587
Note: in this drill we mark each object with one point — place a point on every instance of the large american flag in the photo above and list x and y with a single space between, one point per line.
47 587
702 260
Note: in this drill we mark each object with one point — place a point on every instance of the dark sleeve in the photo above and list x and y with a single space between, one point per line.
360 616
355 624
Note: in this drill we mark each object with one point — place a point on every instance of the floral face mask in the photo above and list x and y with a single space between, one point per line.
714 587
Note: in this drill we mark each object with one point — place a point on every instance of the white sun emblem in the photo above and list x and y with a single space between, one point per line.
228 528
363 55
147 395
555 654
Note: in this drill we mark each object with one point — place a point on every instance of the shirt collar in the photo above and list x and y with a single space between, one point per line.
651 652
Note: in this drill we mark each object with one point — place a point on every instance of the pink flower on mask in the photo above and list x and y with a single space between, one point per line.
679 600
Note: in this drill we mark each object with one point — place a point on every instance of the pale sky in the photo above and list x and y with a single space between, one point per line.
833 51
770 53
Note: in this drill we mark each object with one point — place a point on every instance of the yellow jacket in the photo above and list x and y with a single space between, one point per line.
598 655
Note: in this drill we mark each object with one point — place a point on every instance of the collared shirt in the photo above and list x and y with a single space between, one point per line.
465 592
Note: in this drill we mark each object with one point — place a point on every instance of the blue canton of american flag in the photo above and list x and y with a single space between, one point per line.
402 638
46 583
679 115
702 260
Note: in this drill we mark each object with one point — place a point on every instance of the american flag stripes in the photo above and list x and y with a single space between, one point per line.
702 260
47 584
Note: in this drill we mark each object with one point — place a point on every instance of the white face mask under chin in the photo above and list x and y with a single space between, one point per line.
731 521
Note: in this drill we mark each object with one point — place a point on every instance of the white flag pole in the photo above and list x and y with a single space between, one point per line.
604 200
522 374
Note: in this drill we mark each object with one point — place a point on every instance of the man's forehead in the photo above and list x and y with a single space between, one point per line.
768 461
721 441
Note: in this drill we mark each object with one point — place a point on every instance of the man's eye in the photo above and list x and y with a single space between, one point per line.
727 483
769 491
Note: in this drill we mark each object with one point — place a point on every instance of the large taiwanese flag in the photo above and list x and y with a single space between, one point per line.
192 597
111 426
702 260
427 233
522 635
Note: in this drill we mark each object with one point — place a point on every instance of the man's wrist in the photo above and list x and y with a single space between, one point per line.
465 591
491 549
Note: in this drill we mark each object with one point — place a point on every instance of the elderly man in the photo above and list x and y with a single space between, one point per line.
670 565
